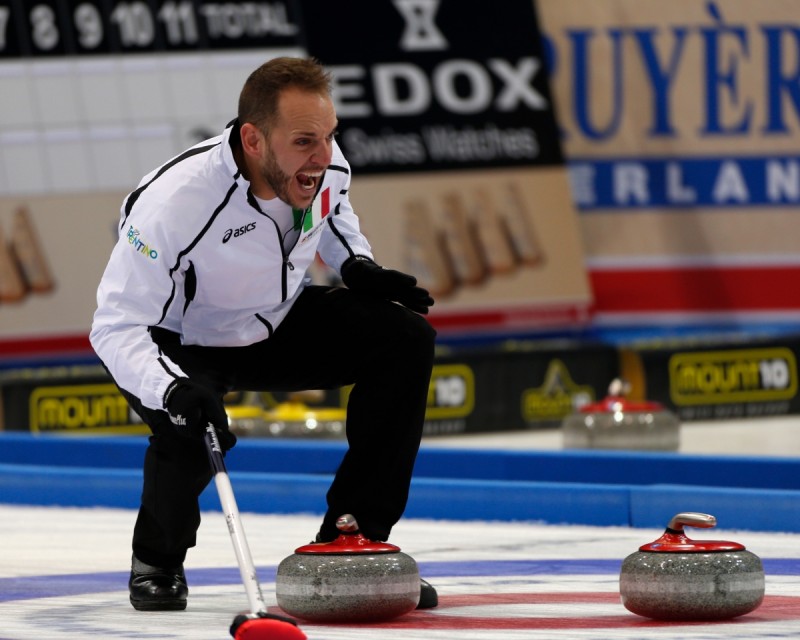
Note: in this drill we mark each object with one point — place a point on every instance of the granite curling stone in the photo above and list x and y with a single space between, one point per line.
351 579
617 422
677 578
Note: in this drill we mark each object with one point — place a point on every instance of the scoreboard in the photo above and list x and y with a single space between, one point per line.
86 27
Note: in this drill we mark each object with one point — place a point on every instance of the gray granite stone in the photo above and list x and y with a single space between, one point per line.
347 587
692 586
641 430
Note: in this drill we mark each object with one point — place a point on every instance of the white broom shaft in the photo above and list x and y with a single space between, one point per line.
244 559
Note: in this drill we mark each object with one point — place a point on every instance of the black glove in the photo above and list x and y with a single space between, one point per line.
362 274
191 407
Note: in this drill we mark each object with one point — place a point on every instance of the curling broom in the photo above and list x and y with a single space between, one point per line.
258 624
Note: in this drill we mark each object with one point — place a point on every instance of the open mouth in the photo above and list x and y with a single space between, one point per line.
308 181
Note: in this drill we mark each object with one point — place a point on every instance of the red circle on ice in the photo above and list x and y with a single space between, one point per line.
453 613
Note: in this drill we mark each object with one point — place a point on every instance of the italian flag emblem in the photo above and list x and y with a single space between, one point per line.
320 208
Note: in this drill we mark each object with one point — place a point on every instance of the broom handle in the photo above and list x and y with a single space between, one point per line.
243 557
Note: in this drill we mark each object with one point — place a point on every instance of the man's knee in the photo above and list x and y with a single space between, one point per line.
420 336
423 329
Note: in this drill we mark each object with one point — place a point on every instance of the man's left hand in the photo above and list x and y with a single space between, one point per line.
362 274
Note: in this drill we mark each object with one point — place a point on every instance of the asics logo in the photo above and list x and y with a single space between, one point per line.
235 233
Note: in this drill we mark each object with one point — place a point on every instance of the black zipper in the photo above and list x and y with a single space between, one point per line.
286 264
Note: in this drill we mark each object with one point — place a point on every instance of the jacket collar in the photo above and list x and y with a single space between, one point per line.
231 138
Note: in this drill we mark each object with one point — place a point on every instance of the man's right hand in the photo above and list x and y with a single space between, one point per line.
192 406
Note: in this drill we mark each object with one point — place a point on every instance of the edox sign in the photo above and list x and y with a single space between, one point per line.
433 88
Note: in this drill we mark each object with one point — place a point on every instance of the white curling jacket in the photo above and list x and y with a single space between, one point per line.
197 255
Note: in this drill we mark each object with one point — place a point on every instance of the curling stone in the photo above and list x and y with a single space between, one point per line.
619 423
676 578
351 579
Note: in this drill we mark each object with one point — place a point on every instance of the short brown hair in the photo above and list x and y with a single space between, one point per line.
258 101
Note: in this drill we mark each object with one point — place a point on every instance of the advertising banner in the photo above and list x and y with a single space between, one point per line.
470 392
458 174
722 381
448 125
53 250
432 88
681 125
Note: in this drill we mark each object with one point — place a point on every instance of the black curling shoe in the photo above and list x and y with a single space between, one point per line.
157 589
428 598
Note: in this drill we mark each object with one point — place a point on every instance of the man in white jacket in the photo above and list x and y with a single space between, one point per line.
207 291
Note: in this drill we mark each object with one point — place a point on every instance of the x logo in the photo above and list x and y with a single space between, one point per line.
421 32
518 84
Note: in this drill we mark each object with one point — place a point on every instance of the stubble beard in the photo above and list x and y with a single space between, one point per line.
277 180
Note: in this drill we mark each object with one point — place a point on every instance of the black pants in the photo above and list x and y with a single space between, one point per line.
332 337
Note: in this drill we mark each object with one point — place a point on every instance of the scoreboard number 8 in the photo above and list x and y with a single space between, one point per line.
44 27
